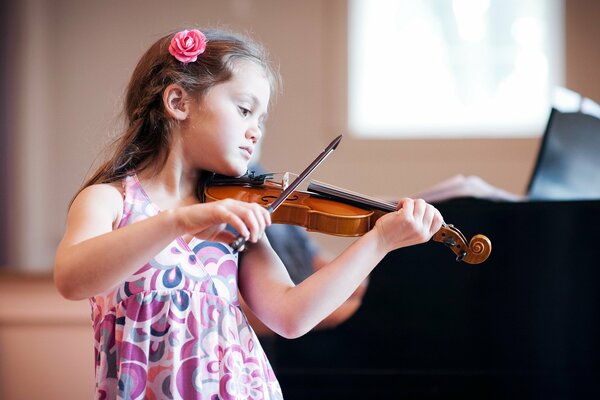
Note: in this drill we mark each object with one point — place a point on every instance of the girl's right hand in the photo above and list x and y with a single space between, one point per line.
208 221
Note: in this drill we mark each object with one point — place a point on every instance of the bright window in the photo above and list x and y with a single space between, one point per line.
452 68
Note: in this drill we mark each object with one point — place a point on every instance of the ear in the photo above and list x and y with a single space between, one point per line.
175 102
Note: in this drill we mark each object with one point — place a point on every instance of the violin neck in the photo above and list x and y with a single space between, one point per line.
350 197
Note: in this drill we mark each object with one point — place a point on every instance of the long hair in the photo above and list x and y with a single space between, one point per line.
146 138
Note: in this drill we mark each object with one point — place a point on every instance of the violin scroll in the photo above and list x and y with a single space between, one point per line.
476 251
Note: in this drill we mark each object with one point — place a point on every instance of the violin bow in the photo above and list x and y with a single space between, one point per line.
240 242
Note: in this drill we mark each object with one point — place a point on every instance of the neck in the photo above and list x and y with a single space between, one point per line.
173 184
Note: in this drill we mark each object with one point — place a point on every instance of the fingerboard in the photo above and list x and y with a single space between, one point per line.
350 197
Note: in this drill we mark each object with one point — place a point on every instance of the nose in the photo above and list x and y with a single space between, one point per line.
254 133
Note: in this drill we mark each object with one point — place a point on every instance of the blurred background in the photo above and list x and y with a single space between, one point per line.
65 64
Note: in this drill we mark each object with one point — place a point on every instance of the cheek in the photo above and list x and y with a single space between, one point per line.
231 128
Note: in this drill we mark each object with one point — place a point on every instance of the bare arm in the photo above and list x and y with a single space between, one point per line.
340 315
292 310
93 255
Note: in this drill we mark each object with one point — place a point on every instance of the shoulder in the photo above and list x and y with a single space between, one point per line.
100 199
101 193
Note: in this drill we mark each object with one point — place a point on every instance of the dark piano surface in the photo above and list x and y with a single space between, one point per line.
524 324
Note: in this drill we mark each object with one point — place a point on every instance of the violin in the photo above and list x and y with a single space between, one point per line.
330 210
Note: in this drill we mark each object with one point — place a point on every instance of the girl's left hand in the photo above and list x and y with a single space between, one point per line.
414 222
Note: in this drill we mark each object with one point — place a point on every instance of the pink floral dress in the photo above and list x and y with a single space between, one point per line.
174 329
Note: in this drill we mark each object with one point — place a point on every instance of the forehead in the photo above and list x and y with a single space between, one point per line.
248 80
248 67
248 74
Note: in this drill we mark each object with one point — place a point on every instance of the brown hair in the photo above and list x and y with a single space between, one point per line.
146 138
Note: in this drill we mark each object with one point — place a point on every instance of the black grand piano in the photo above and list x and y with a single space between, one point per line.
523 325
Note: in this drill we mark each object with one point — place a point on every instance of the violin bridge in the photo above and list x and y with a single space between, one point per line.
286 179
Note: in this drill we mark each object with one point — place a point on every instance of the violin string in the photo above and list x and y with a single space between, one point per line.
354 197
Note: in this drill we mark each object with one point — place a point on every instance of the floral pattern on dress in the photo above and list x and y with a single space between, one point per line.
174 329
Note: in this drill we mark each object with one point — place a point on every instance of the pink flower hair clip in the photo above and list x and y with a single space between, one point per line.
186 45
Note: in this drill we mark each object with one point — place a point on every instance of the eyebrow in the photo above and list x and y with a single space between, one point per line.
255 101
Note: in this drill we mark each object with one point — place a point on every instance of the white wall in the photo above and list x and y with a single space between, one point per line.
75 59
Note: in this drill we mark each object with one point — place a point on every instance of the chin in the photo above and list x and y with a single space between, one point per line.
234 170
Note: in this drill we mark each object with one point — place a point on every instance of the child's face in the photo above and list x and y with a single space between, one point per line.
223 128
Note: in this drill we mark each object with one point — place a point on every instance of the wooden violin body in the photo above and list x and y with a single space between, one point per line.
311 211
332 212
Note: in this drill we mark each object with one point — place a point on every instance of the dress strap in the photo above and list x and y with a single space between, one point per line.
128 191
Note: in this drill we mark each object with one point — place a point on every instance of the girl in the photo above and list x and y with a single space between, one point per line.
162 281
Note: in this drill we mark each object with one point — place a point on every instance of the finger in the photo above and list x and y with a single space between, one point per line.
256 218
255 221
419 209
236 225
438 221
428 217
242 217
263 215
406 206
401 203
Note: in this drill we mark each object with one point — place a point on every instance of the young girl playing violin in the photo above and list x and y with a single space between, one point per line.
155 263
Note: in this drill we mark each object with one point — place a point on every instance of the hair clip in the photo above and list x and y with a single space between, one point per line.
187 45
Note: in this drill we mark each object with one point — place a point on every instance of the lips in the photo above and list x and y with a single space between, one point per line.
248 149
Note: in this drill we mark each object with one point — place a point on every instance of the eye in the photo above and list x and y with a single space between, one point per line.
244 111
